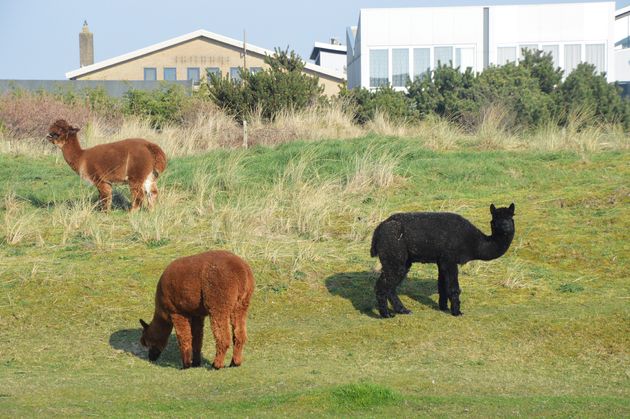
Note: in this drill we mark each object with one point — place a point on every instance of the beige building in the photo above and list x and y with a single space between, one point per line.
192 57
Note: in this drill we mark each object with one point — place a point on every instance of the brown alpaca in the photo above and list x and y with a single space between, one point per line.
134 161
215 283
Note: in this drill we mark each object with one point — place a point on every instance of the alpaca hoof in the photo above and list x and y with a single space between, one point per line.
196 364
185 367
234 364
443 307
457 313
403 310
214 367
387 314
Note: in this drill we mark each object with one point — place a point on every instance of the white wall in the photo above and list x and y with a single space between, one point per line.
420 27
509 26
333 61
555 24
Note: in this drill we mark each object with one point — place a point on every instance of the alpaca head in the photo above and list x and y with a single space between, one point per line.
60 132
153 339
502 220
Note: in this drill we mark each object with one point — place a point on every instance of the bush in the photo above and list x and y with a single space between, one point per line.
162 106
365 103
280 87
445 91
586 91
25 114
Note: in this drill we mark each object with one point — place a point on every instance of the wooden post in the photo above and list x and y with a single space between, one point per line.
245 144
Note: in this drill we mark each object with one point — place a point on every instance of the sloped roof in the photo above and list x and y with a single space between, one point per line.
201 33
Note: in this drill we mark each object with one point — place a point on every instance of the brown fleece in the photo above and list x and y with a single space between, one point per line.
134 161
215 283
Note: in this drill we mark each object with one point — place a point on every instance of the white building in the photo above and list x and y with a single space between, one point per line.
392 45
330 55
622 45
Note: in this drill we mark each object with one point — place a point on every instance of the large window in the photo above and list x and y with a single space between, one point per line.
150 73
442 56
554 50
213 71
400 67
465 58
421 61
379 67
572 57
170 73
506 55
193 74
596 54
255 70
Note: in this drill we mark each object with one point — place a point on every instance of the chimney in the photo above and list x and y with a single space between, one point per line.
86 46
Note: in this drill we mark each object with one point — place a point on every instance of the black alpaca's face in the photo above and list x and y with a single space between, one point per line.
502 219
150 342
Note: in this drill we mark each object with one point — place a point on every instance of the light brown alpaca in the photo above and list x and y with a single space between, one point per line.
215 283
134 161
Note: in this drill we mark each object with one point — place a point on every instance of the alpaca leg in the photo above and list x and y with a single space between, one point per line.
239 334
221 331
105 196
381 291
137 195
453 289
393 294
197 339
184 338
442 290
153 194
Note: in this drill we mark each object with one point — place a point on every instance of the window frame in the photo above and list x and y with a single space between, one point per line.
165 69
154 69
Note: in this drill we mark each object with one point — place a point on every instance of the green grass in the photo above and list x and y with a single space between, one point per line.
545 331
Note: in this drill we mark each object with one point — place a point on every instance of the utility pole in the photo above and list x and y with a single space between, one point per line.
245 140
244 50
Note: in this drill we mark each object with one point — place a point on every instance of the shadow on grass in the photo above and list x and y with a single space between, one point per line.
358 287
119 201
128 340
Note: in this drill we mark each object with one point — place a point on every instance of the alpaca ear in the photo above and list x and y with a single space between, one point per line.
73 130
492 209
511 208
143 324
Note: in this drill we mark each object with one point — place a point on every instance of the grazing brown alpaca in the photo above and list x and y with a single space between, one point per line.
215 283
134 161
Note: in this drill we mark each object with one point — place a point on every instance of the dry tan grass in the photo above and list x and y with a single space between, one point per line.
18 222
211 128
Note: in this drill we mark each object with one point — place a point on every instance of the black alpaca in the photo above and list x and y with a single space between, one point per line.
434 237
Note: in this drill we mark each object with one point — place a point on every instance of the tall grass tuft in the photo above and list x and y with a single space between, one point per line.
18 222
74 216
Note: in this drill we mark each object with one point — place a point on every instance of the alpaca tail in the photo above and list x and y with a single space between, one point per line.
373 248
159 158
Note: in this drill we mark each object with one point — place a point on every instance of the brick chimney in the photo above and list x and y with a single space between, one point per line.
86 46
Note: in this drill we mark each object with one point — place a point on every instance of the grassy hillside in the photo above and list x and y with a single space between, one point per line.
545 331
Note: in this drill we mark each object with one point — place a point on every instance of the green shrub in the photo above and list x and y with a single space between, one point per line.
445 91
365 103
162 106
280 87
586 91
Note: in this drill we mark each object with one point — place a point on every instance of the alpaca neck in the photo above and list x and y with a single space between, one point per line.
72 152
492 247
161 325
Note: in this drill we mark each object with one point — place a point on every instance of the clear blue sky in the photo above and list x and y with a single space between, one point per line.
39 39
